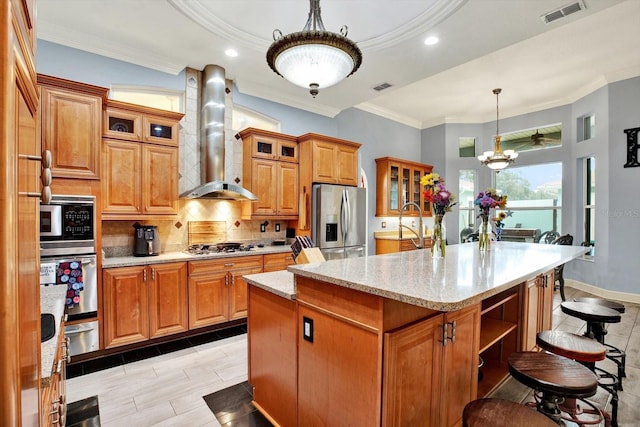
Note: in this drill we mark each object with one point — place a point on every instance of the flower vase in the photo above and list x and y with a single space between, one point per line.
484 234
439 238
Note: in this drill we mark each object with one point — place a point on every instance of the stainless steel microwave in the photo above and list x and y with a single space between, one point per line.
68 226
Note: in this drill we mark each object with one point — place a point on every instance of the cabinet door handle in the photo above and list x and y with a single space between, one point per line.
229 264
453 332
444 335
153 274
226 280
144 275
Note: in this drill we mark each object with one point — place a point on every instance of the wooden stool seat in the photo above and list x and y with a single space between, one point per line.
553 374
559 384
587 351
590 312
502 413
572 346
604 302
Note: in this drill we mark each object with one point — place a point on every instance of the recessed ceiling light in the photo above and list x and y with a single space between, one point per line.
231 52
431 40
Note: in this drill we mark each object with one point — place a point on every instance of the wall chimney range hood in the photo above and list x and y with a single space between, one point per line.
212 142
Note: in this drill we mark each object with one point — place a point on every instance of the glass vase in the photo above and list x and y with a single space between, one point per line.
484 234
439 238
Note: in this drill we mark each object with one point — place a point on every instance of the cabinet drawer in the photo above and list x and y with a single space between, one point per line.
275 262
213 265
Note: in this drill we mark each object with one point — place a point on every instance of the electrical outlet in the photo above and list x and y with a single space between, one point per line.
263 228
277 227
384 224
307 329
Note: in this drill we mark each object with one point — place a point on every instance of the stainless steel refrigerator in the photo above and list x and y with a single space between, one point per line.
339 220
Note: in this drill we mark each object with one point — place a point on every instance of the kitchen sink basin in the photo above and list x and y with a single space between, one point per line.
47 326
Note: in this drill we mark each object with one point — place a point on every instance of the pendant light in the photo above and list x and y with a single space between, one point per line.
314 58
497 159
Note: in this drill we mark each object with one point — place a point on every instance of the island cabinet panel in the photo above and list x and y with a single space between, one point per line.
499 337
538 308
412 379
375 361
430 369
273 355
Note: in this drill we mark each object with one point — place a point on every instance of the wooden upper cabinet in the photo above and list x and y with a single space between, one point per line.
71 126
397 183
270 171
332 160
139 168
139 123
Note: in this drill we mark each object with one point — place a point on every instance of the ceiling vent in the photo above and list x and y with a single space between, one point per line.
382 86
563 12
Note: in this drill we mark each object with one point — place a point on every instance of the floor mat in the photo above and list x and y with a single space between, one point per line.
232 407
83 413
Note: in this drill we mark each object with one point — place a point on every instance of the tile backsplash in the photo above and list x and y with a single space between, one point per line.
118 236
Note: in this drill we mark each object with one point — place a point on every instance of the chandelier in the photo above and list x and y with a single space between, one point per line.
314 58
497 159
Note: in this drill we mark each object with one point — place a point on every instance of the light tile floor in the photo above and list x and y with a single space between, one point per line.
167 390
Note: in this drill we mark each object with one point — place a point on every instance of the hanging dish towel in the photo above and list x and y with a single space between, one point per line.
70 273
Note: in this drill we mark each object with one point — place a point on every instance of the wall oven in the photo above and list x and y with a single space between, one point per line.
68 258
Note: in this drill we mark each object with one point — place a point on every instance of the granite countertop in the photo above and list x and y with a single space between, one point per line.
52 300
127 261
277 282
462 278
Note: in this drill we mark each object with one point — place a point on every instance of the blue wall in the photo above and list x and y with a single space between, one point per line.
615 106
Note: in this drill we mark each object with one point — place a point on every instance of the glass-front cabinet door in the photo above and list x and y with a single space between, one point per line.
397 183
394 188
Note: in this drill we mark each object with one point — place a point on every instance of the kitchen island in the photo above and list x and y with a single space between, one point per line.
396 339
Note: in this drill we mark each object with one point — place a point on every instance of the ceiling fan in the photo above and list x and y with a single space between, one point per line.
538 139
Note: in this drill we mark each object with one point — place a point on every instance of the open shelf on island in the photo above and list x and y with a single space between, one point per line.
494 330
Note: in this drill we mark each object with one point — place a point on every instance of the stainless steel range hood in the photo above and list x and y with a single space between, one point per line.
212 142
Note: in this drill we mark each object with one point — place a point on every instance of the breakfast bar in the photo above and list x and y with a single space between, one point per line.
395 339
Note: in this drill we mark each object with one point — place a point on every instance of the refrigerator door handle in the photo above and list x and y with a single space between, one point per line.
344 215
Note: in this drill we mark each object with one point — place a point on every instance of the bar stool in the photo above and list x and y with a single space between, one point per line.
502 413
597 315
586 351
555 379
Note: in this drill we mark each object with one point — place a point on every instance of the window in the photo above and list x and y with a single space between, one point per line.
467 147
466 197
586 127
589 197
164 99
534 196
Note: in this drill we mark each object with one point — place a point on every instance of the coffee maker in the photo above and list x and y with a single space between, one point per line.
146 240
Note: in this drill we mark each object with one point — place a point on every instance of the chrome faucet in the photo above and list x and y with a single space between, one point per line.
419 234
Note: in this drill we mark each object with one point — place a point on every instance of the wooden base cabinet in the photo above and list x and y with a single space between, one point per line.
217 291
428 376
538 308
277 262
368 360
144 302
54 392
272 344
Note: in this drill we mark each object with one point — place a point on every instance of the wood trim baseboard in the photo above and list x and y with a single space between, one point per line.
603 293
